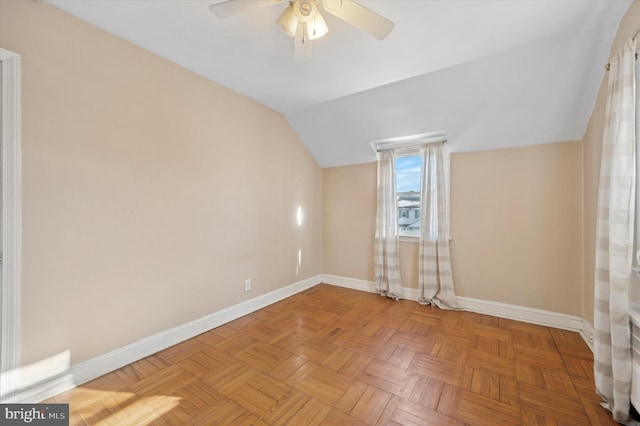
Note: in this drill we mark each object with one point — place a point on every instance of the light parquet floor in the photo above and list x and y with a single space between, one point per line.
334 356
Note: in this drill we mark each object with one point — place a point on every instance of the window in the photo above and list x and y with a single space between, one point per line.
408 174
407 157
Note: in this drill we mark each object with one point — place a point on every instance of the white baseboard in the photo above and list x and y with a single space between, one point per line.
587 333
100 365
521 313
488 307
351 283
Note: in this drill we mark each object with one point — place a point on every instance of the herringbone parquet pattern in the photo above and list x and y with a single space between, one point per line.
335 356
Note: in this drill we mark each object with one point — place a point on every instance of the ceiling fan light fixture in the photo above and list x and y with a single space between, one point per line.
317 27
288 21
303 21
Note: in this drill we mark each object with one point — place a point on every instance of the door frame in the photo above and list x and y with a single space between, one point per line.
11 225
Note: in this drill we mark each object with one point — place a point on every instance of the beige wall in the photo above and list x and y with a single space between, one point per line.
592 148
515 222
348 220
516 226
150 193
349 205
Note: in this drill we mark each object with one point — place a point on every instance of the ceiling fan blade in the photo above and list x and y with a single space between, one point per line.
360 17
302 48
230 8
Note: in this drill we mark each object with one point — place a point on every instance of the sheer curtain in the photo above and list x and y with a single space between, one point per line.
387 259
614 238
435 278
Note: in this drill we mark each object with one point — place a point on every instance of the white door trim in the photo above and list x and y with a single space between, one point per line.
11 225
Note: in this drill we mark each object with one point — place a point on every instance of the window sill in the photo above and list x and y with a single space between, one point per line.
409 239
413 239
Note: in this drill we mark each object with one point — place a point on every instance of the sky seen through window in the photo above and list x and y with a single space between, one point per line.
408 174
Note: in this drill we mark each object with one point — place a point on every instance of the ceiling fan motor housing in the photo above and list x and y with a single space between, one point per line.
305 9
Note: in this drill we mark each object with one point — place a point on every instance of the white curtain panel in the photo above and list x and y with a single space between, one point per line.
387 258
614 238
435 278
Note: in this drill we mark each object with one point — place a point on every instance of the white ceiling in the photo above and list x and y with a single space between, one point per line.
492 74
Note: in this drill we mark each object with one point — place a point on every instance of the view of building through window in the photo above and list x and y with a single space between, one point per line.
408 172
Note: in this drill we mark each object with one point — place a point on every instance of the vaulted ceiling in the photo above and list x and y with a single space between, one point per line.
490 73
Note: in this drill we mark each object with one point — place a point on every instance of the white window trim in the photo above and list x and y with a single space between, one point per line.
408 141
410 238
11 231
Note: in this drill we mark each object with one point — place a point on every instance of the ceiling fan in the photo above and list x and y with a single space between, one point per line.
303 21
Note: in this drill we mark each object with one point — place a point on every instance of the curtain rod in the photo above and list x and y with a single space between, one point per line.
633 37
408 144
408 141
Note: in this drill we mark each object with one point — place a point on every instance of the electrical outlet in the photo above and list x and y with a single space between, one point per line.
247 284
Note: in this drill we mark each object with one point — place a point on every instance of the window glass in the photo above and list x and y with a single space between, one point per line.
408 174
